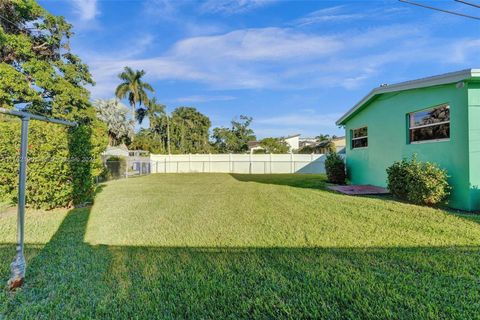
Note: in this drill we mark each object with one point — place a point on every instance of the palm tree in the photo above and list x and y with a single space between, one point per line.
133 87
156 114
152 111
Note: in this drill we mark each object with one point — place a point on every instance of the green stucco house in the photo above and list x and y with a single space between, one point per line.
437 118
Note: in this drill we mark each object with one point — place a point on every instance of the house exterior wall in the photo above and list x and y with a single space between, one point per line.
340 142
474 142
293 142
387 119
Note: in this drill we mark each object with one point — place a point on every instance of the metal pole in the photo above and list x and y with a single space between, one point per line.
18 265
23 115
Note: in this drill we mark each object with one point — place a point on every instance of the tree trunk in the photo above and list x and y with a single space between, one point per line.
168 135
133 120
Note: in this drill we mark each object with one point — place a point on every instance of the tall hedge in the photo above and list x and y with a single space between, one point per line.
62 163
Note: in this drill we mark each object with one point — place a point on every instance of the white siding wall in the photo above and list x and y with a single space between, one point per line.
238 163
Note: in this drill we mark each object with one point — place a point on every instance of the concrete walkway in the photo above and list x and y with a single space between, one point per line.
354 190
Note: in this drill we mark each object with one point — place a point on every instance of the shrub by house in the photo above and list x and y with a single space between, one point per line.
418 182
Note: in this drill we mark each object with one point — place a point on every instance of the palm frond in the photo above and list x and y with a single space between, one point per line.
122 90
147 86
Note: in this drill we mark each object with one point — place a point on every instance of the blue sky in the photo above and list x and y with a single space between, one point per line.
294 66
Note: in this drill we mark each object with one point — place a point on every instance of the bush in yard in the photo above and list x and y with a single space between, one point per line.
335 168
418 182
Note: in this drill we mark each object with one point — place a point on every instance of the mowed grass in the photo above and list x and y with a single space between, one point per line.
243 246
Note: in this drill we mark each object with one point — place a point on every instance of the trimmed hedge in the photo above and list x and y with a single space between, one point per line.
418 182
335 168
62 163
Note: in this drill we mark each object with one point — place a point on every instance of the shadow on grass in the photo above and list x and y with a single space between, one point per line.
319 182
308 181
68 278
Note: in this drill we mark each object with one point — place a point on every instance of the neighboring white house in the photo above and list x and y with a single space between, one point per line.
293 142
122 151
117 151
304 141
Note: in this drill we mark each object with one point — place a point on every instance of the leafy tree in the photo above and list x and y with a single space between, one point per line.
40 74
145 139
322 137
153 111
307 150
274 145
37 68
185 131
234 139
159 123
133 88
189 130
115 115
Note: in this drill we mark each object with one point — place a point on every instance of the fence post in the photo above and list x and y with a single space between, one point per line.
311 162
250 165
270 163
209 162
292 163
230 162
189 163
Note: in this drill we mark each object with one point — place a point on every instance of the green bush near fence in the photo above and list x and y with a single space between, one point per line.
335 168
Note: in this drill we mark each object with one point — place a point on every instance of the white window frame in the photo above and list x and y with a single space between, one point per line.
410 127
358 138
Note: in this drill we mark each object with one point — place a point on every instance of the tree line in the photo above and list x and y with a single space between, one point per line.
184 130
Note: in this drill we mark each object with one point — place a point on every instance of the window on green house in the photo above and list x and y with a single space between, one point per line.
360 138
430 125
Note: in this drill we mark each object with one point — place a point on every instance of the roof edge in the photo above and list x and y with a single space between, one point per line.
445 78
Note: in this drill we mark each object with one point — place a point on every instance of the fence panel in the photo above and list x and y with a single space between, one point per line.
238 163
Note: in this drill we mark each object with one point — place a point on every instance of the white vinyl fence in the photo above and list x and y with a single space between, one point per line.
238 163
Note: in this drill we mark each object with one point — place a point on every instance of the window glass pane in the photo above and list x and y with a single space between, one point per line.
360 132
360 143
431 116
441 131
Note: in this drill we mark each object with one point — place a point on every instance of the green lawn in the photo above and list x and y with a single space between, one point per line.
243 246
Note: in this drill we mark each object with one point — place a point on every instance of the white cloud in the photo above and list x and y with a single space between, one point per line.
331 14
258 44
285 58
301 119
308 124
163 9
463 50
232 6
203 98
86 9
